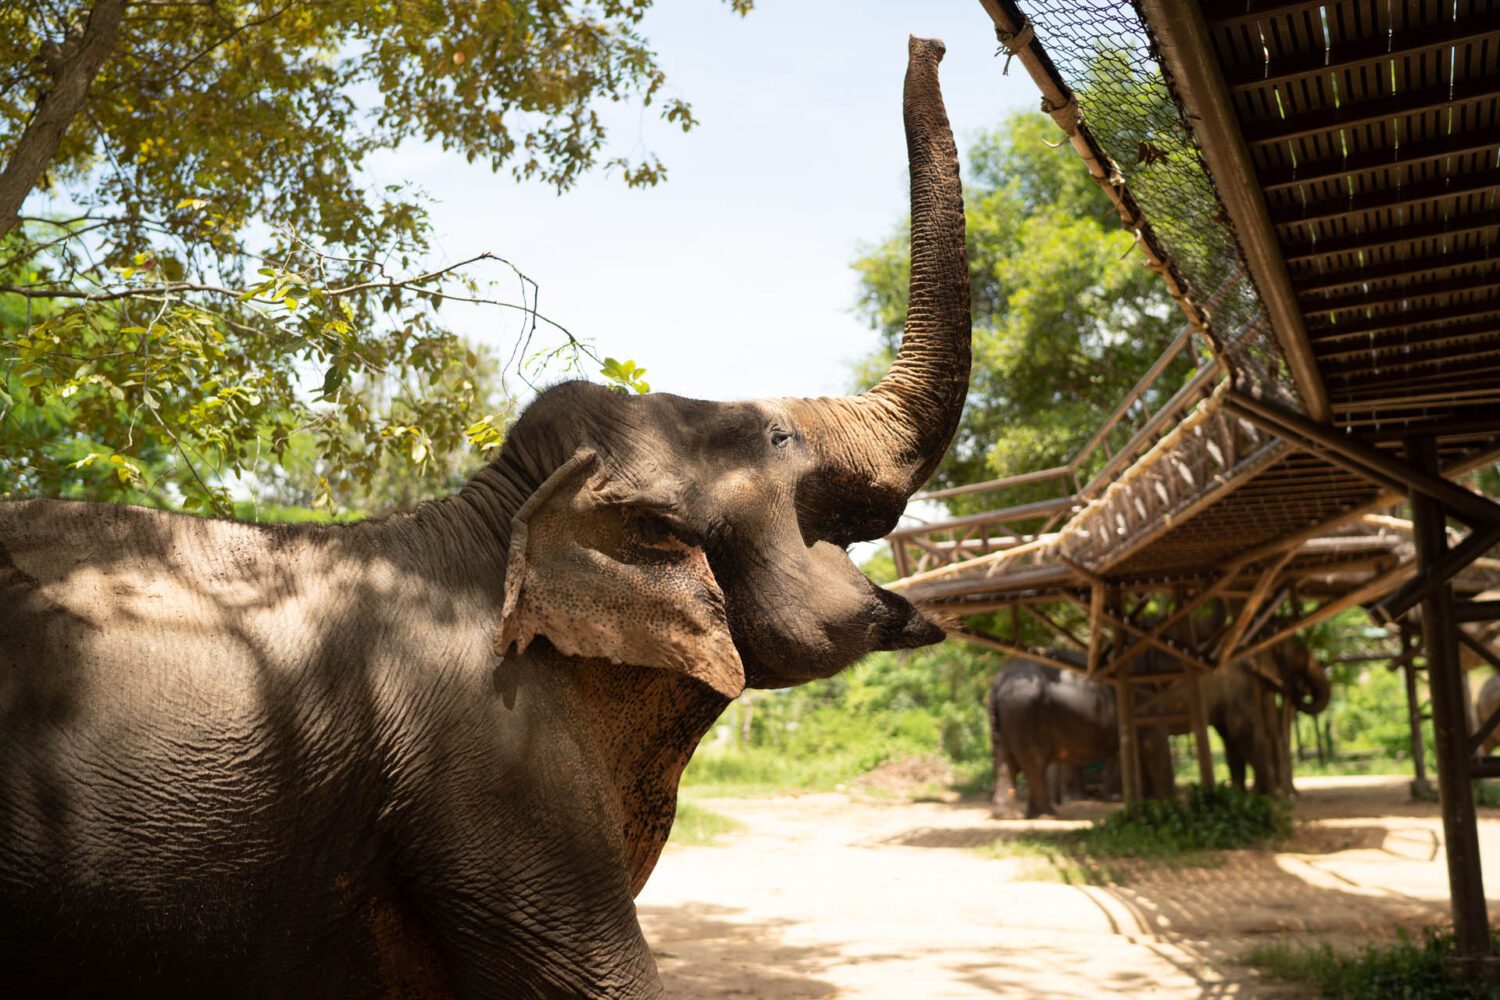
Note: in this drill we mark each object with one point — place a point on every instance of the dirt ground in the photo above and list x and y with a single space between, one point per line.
832 895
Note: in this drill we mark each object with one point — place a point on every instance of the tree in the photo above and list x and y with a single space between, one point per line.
1065 317
209 276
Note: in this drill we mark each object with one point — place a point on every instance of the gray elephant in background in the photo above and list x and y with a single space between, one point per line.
1243 708
437 754
1042 717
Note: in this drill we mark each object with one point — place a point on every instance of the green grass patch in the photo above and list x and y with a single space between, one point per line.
1409 969
699 827
1188 831
1218 818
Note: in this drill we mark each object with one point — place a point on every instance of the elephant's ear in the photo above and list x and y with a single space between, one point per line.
605 576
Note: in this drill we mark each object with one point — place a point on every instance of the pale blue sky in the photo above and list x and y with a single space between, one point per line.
732 279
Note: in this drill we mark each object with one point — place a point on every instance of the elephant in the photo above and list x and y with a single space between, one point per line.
1487 705
1043 718
437 754
1242 708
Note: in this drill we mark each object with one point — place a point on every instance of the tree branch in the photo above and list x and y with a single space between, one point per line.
78 63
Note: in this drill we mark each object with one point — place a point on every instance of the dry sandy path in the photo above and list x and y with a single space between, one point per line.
831 896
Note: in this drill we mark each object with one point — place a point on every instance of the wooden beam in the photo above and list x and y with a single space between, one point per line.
1301 124
1130 754
1312 287
1188 51
1437 573
977 638
1197 708
1381 237
1161 643
1406 322
1346 206
1485 140
1410 647
1477 611
1376 50
1397 295
1480 649
1096 624
1370 590
1057 629
1381 467
1223 13
1262 589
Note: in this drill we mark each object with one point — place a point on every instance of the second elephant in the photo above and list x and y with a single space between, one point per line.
1041 716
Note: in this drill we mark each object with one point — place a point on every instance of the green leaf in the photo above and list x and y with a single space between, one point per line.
332 379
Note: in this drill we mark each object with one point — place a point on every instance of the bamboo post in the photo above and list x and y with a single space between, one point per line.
1130 756
1420 786
1445 680
1197 710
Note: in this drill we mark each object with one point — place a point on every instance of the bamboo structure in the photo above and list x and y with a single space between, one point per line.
1316 185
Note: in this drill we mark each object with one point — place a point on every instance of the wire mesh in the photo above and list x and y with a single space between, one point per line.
1104 51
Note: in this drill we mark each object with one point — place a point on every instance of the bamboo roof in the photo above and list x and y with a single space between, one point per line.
1319 186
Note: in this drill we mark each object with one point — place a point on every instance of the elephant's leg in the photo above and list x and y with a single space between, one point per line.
1234 756
1004 803
545 911
1111 789
1037 801
1260 761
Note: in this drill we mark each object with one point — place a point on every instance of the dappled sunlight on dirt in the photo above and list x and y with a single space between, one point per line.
833 896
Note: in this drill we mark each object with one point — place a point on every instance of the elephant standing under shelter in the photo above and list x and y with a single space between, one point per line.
1241 704
437 754
1041 716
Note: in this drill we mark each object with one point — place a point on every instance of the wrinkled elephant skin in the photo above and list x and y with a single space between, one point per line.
437 754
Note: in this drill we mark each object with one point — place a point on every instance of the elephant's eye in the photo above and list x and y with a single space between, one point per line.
780 438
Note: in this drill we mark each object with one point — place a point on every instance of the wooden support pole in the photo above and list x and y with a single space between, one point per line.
1130 756
1096 625
1445 680
1197 710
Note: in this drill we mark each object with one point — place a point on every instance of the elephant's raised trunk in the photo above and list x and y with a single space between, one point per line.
1314 691
876 449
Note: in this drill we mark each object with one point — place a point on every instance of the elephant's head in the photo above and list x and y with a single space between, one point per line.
1302 677
708 537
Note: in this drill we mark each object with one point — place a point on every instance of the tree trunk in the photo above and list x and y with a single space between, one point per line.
74 68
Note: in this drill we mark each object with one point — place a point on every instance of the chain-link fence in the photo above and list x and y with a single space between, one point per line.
1106 60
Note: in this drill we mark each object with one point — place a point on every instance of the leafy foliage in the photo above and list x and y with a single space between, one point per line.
625 376
216 278
1410 969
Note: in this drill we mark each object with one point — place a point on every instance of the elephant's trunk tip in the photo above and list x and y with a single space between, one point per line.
932 48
